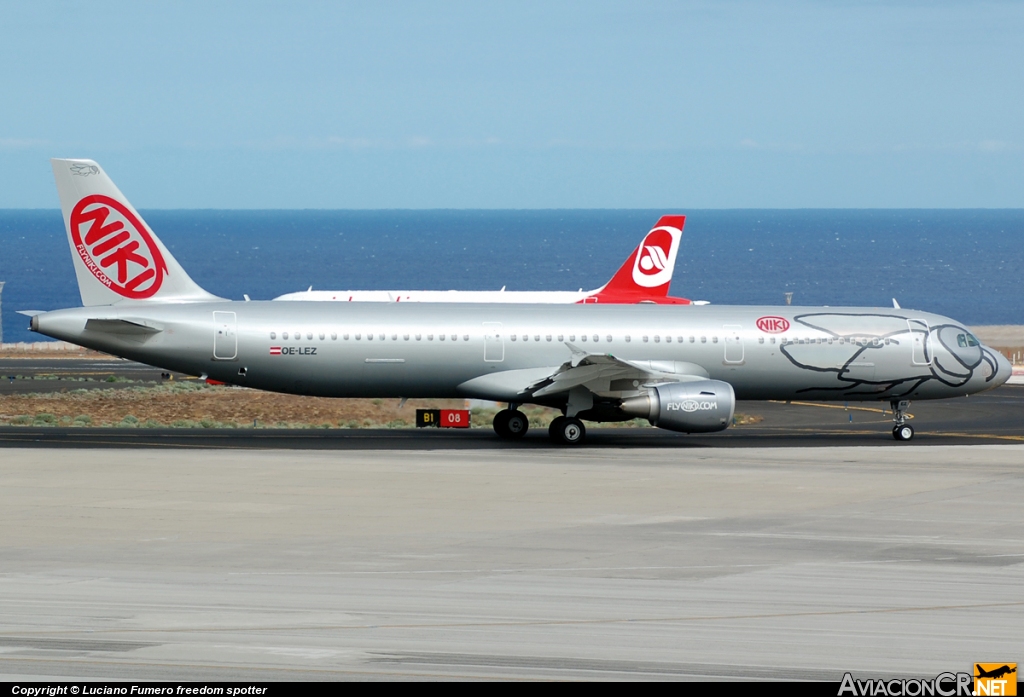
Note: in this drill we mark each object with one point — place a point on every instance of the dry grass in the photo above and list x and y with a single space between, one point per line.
196 404
191 404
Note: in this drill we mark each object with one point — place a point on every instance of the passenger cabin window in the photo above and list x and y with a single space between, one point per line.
334 337
284 335
273 335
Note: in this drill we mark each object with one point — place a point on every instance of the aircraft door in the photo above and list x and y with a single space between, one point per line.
733 344
494 343
919 341
225 336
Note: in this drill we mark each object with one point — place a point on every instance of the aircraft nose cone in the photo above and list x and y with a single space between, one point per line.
1004 369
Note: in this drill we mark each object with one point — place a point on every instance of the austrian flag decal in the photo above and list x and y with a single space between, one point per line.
275 350
116 247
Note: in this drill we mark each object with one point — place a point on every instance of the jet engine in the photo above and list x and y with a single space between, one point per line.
701 406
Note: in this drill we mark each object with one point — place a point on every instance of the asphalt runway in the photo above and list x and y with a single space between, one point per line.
596 563
46 374
992 417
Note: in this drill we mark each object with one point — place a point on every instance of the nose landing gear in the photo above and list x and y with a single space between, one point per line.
902 431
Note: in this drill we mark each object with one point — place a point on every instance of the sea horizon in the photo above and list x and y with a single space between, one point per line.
967 264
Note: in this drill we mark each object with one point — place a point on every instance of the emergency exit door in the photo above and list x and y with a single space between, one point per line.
225 336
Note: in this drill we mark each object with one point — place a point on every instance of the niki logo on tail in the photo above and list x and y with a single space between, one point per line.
116 247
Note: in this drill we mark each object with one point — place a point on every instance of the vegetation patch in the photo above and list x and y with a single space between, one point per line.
193 404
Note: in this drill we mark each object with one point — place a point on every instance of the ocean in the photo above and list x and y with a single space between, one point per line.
967 264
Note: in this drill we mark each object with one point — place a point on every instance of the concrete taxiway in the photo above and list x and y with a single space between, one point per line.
606 562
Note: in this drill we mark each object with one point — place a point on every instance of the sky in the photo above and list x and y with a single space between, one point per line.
724 104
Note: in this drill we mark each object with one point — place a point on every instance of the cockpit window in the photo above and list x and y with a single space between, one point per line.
965 340
971 341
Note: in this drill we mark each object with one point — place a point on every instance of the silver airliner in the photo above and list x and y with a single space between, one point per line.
682 367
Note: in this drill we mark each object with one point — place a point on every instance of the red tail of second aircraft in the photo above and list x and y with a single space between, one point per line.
647 273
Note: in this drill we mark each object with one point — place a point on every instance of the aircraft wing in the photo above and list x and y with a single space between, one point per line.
600 374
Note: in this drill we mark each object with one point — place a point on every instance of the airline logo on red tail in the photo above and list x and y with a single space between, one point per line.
656 257
116 247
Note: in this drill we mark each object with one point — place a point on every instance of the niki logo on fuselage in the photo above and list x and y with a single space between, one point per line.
293 350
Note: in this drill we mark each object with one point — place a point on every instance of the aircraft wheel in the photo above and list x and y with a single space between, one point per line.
567 430
501 423
903 433
517 424
556 423
511 424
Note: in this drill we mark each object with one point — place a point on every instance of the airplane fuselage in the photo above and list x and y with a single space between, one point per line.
492 351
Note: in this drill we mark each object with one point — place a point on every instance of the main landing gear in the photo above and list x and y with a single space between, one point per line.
902 430
567 430
511 424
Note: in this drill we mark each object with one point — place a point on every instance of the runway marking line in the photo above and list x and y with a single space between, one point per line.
834 406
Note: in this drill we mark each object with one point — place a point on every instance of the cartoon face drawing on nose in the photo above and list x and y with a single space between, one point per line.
871 353
960 346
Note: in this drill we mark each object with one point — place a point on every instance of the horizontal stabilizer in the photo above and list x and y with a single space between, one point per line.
121 326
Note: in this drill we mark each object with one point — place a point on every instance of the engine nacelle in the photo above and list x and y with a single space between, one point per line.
702 406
